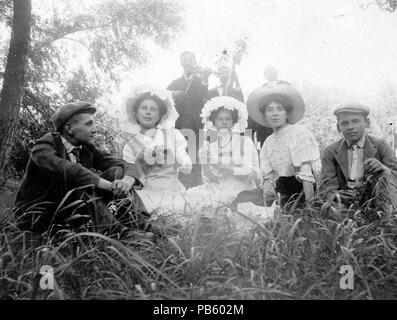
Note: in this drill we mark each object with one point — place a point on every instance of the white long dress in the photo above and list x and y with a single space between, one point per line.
162 191
240 157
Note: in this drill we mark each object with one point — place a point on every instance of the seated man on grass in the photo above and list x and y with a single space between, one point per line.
68 181
359 168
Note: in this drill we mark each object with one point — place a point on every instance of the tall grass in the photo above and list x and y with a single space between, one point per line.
295 256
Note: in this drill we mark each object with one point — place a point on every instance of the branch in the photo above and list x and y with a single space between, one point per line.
66 33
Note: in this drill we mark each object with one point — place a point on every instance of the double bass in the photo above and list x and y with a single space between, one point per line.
233 79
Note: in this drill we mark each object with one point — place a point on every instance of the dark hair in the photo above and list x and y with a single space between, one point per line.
215 113
148 96
286 103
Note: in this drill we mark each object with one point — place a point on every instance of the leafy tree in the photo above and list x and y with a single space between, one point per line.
109 39
387 5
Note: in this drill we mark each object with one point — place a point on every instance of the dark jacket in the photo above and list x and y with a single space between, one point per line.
189 106
237 94
335 166
50 175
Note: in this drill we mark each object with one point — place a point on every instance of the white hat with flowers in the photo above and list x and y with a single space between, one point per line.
229 103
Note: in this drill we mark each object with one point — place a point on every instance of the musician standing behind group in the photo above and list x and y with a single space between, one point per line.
190 92
227 78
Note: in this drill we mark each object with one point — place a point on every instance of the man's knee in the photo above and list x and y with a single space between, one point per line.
113 173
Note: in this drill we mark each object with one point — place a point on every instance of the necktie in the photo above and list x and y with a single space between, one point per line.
76 152
354 167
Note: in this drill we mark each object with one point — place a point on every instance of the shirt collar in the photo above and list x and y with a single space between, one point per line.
360 143
68 146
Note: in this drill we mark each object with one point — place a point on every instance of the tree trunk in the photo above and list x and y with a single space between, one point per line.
14 76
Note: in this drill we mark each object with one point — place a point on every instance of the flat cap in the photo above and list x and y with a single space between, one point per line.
67 111
352 108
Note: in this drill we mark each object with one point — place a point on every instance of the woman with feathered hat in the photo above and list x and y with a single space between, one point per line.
156 148
290 158
230 161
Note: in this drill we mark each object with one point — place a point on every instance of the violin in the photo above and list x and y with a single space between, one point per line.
200 73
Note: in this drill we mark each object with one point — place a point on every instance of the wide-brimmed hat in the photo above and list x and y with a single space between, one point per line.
67 111
228 103
352 107
167 121
264 95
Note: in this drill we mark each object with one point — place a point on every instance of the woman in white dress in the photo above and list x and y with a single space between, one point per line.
290 157
157 149
230 162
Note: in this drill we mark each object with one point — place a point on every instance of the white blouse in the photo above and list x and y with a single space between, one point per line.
291 151
156 138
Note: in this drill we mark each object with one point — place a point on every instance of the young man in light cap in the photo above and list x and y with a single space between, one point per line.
359 167
64 160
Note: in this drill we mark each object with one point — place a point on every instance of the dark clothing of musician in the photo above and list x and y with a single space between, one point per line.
189 107
224 91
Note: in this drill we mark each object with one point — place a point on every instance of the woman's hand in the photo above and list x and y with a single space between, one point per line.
204 154
268 191
140 156
224 169
165 156
149 156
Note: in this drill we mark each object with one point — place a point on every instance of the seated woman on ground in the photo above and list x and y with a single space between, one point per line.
157 149
290 158
230 162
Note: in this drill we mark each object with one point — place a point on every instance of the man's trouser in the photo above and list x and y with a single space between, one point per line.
81 206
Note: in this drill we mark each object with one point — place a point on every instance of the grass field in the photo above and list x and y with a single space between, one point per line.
295 256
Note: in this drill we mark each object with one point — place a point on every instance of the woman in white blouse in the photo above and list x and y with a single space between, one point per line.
157 149
289 158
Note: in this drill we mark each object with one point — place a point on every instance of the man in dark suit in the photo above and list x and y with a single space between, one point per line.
359 166
190 92
63 161
225 88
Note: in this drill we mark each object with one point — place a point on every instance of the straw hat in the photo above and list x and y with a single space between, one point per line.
264 95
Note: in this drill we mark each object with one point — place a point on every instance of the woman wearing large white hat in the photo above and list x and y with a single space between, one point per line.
290 158
230 162
156 148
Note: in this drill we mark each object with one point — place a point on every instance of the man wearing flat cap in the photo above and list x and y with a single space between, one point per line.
359 167
64 163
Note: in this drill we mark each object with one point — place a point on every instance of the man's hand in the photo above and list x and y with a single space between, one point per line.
104 185
123 186
373 166
177 94
346 196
